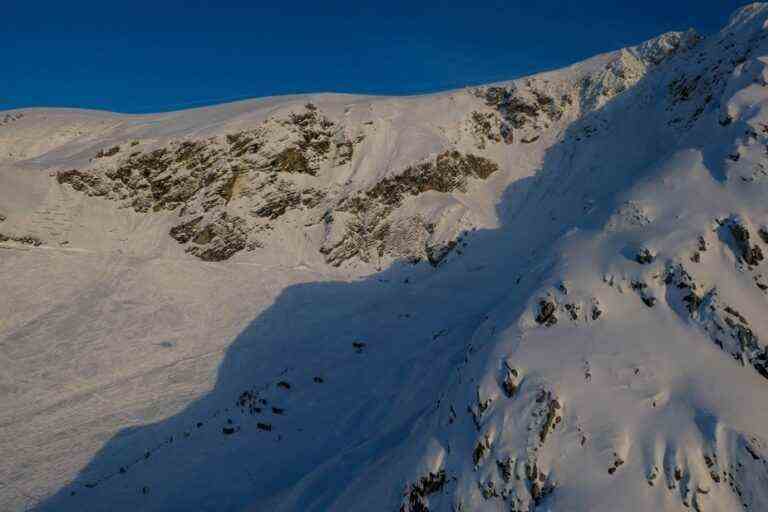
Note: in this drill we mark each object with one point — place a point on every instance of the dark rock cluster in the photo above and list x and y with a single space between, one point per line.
226 190
371 234
520 110
24 239
448 173
415 499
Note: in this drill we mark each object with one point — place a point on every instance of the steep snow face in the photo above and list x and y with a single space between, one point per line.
543 294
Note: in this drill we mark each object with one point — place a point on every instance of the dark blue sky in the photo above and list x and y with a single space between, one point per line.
142 56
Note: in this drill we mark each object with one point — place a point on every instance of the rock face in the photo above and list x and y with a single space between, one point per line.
227 190
222 186
370 229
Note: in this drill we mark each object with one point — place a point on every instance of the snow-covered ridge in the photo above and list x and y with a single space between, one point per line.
544 294
229 184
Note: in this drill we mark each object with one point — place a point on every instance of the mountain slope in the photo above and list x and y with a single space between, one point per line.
537 295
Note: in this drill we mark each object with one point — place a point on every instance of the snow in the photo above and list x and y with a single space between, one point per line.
124 358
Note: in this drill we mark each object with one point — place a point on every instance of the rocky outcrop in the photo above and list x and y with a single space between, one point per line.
749 253
10 118
526 110
726 326
223 189
546 315
448 173
227 190
416 497
518 478
372 231
218 240
21 239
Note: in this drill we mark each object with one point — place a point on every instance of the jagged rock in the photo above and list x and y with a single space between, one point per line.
243 143
644 257
103 153
220 239
26 239
506 468
616 464
552 418
448 173
85 182
415 498
291 160
481 450
573 310
488 490
486 127
596 311
183 233
763 232
642 290
204 176
522 108
9 118
546 316
751 254
510 381
436 254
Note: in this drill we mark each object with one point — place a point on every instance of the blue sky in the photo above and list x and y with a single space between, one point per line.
142 56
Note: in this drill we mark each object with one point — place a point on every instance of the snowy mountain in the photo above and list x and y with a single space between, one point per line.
543 294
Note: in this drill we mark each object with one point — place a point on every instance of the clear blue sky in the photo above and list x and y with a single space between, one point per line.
142 56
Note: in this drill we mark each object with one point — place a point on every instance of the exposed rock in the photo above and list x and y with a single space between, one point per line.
546 316
9 118
220 239
103 153
436 254
481 450
485 127
573 310
86 182
763 232
751 254
644 257
510 381
415 498
642 290
596 311
291 160
448 173
184 232
24 239
521 108
726 326
553 412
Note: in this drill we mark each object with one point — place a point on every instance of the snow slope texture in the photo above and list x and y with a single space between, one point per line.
545 294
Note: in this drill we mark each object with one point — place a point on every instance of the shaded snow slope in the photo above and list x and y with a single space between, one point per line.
545 294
